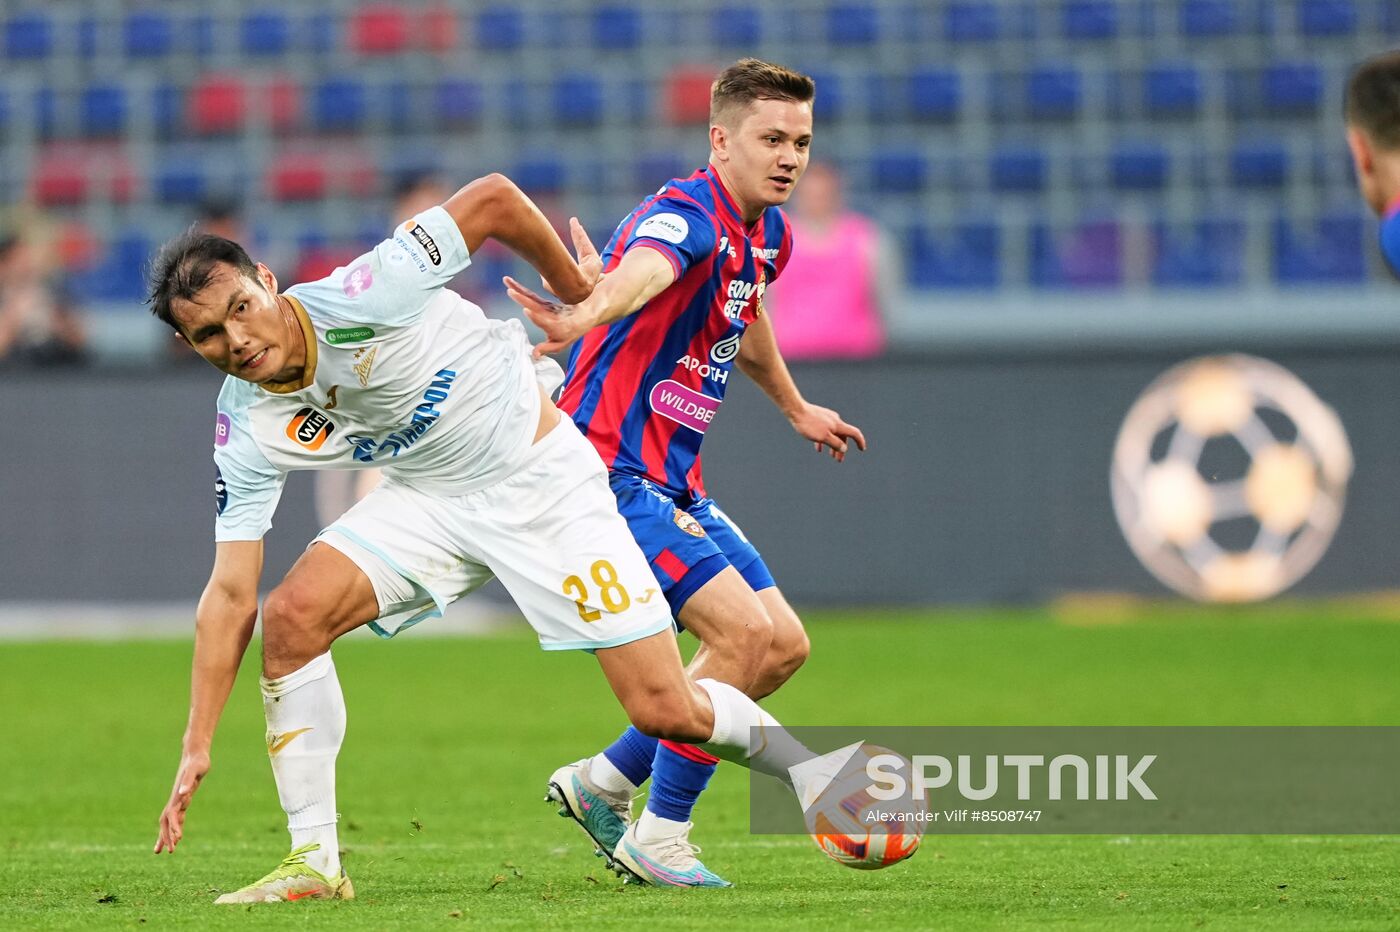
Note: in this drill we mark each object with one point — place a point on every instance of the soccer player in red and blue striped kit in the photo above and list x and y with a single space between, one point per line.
680 304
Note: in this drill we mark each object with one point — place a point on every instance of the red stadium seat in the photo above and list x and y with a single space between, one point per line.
60 180
688 94
283 104
437 29
68 175
379 29
218 104
299 176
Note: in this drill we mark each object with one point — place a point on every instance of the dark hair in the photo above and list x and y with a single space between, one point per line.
1373 99
183 266
750 79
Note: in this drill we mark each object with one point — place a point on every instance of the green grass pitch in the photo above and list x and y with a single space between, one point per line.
450 742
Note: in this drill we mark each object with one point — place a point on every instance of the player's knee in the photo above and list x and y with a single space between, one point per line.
673 717
752 638
293 622
791 651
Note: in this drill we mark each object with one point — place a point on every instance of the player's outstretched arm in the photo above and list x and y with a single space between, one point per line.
761 361
223 627
640 276
494 208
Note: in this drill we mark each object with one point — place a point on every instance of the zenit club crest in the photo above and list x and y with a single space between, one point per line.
687 523
310 428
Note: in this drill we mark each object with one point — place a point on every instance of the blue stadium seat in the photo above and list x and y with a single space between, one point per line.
28 36
898 172
1087 255
935 94
1319 18
1089 19
1201 19
1053 92
965 256
1139 166
87 36
540 174
1172 90
457 102
206 34
103 110
46 113
322 32
1294 88
852 24
500 28
120 276
830 101
1207 253
617 27
1018 169
338 104
266 32
148 34
167 109
578 100
654 169
181 181
1259 164
1329 250
736 27
971 22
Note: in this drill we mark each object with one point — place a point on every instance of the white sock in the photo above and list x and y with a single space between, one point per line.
651 828
603 774
305 726
749 736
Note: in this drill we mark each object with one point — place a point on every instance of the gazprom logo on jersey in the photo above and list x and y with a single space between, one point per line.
685 406
669 227
721 354
367 449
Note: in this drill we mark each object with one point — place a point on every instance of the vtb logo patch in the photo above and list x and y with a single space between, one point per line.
310 428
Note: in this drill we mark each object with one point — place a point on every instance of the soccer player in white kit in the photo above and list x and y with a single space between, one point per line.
378 365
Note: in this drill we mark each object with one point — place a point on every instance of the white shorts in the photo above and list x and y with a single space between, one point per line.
550 532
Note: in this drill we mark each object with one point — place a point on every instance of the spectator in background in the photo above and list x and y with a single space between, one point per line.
38 323
841 280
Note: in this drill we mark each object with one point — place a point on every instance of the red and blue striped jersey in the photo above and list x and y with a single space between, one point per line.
645 389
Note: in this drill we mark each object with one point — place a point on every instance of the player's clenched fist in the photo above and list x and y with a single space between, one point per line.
193 767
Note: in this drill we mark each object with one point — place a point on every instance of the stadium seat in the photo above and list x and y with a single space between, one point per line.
971 22
1328 250
688 95
322 33
654 169
852 24
898 172
617 27
964 256
1294 88
338 105
577 100
1088 254
540 174
1172 91
437 29
1019 169
457 103
282 98
1201 19
168 110
218 104
379 29
103 110
736 27
1322 18
60 181
206 34
1053 92
46 122
148 34
1089 19
830 101
935 94
301 176
1259 164
86 44
500 28
1139 166
265 32
28 36
119 275
1207 253
181 182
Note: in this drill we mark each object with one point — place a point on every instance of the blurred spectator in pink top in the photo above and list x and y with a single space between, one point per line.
829 302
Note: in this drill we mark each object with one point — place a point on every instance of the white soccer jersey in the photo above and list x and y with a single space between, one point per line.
401 373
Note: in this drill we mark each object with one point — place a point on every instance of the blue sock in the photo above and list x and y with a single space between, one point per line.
679 775
632 754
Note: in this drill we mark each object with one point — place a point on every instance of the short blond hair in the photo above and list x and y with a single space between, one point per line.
751 79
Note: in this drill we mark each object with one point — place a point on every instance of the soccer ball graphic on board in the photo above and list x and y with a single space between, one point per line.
1229 477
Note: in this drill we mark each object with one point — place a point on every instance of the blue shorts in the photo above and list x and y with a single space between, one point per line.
687 540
